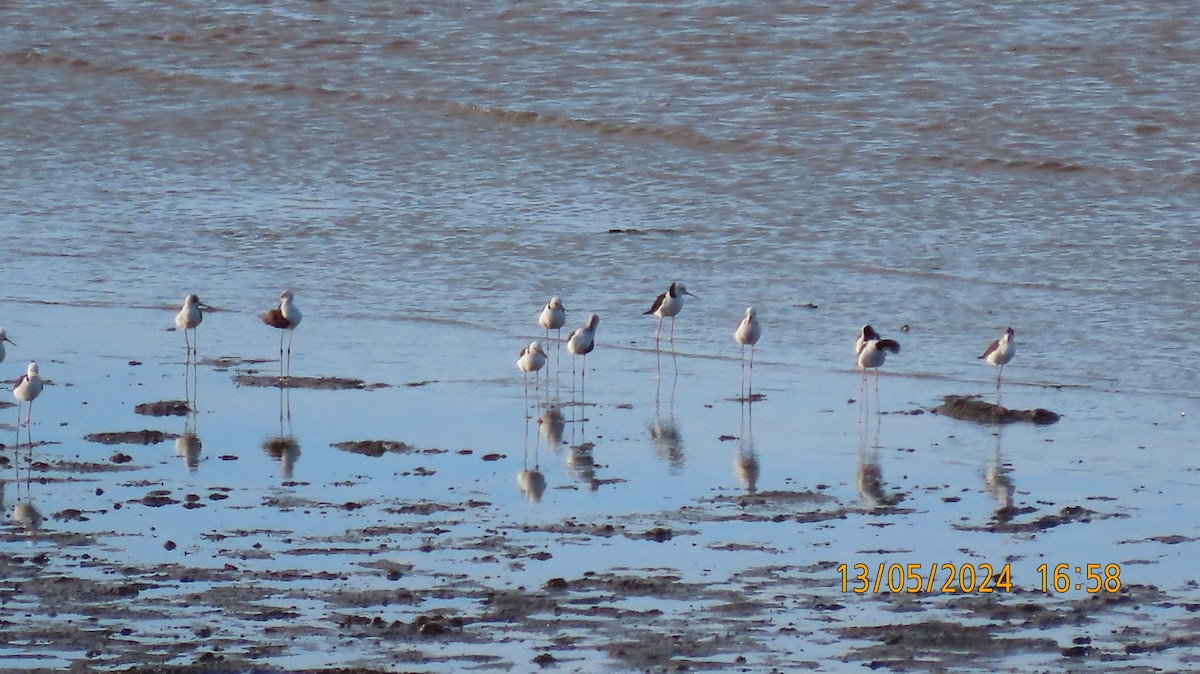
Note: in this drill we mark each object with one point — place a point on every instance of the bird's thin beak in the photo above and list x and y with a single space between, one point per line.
10 341
687 293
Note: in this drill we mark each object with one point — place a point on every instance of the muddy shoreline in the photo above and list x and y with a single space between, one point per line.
658 522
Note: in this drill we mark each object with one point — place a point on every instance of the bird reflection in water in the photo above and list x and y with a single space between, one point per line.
552 424
997 478
283 447
580 461
24 512
745 462
187 445
668 442
530 480
869 474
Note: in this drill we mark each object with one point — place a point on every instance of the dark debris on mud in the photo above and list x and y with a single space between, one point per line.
315 383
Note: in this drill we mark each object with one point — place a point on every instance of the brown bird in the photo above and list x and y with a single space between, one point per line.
284 317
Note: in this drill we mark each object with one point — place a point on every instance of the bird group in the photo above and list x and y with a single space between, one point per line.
870 348
28 386
582 340
285 317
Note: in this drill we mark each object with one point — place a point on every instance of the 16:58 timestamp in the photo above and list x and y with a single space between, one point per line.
1064 577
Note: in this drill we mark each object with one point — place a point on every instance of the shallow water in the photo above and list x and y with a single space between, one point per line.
425 177
758 502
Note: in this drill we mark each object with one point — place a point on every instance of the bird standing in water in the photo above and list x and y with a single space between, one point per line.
553 316
531 359
872 352
285 317
187 319
4 338
28 387
667 304
749 331
999 352
580 342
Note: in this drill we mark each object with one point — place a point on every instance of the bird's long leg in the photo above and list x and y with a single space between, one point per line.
582 381
527 395
658 334
743 389
187 343
999 393
291 334
751 387
281 353
672 331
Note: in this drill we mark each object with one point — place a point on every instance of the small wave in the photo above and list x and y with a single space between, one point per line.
684 136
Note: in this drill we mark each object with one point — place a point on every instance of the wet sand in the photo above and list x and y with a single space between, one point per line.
419 520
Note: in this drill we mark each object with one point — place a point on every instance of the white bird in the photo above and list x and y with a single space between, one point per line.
866 334
4 338
999 352
285 317
553 316
749 331
580 342
532 359
188 318
28 387
667 304
872 351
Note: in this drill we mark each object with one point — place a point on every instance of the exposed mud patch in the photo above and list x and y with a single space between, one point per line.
230 362
164 408
1004 523
375 448
316 383
971 408
142 437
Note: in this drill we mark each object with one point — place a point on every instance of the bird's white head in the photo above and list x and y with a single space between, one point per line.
4 337
535 347
191 300
751 313
286 295
679 289
32 370
1010 332
556 303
